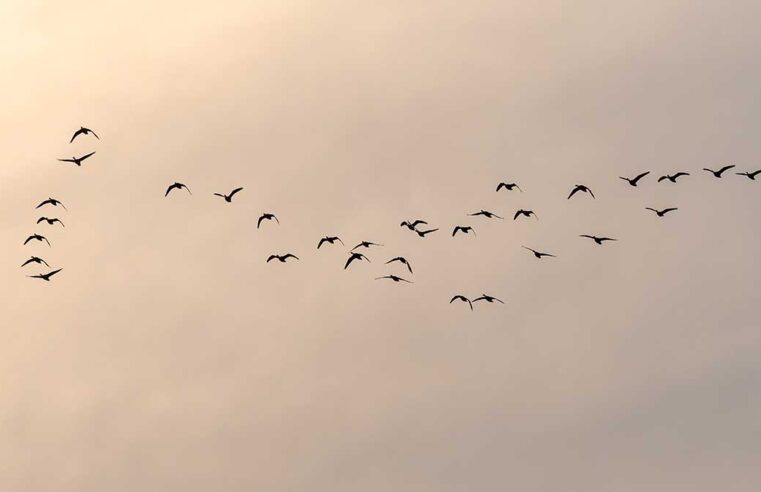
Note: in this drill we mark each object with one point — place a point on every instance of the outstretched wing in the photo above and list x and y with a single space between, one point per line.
76 134
236 190
271 257
259 222
50 274
417 222
667 210
640 176
662 178
86 156
573 192
725 168
588 236
289 255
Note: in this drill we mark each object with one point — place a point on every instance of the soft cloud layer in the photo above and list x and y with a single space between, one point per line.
168 356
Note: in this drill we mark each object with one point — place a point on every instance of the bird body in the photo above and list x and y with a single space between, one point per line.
365 244
411 225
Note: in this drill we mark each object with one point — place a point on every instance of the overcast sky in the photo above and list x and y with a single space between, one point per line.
168 356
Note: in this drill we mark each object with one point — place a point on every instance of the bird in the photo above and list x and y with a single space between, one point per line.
365 244
355 256
508 186
329 240
401 260
526 213
412 225
661 213
281 258
720 171
394 278
38 238
229 198
487 298
598 240
539 254
35 259
673 177
487 214
462 298
50 221
464 229
581 188
750 175
77 160
424 233
45 276
634 181
266 216
176 186
83 131
51 201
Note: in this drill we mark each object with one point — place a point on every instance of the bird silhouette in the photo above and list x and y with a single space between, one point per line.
45 276
508 186
51 201
266 216
721 171
525 213
77 160
487 214
50 221
394 278
462 298
464 230
281 258
83 131
487 298
750 175
355 256
661 213
635 180
229 198
412 225
425 233
35 259
37 237
538 254
401 260
329 240
365 244
176 186
597 239
581 188
673 177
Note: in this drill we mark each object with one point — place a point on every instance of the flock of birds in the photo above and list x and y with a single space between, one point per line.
356 253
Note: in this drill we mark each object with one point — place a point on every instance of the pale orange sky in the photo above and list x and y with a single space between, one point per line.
168 356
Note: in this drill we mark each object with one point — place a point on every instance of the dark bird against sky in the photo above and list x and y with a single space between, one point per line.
721 171
83 131
329 240
673 177
525 213
35 259
508 186
266 216
50 221
51 201
401 260
37 237
45 276
77 160
412 225
486 213
635 180
750 175
487 298
464 230
580 188
282 258
425 233
229 198
539 254
462 298
176 186
597 239
394 278
365 244
355 256
663 212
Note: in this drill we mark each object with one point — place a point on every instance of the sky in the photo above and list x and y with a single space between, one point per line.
168 355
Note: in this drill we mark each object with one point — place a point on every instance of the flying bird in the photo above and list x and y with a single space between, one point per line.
83 131
487 214
50 221
51 201
329 240
634 181
176 186
582 188
508 186
525 213
45 276
463 229
35 259
281 258
37 237
750 175
462 298
487 298
720 171
355 256
365 244
77 160
401 260
598 240
412 225
394 278
229 198
424 233
266 216
673 177
539 254
661 213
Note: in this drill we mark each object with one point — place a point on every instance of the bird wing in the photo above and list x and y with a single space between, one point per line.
220 194
236 190
681 174
276 219
46 240
272 257
41 219
726 168
348 262
86 156
654 210
586 235
30 260
290 255
590 192
573 192
414 224
259 222
517 214
68 160
50 274
28 239
755 173
76 134
526 247
454 231
667 210
709 170
500 186
322 240
171 187
662 178
94 134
